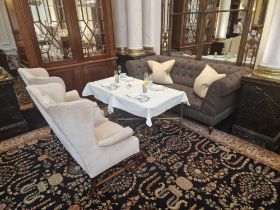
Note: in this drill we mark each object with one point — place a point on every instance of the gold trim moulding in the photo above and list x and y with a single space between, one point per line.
148 49
135 52
121 50
267 73
219 40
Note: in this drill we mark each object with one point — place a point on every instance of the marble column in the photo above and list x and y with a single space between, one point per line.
7 42
120 25
222 22
269 67
147 26
134 27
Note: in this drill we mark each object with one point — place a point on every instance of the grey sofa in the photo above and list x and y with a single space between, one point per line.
222 97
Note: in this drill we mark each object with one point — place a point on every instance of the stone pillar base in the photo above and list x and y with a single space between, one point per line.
135 52
220 40
148 49
121 50
267 73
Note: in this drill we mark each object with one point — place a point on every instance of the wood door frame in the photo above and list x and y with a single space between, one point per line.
33 37
201 22
108 26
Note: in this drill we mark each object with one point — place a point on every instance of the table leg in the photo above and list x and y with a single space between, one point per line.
181 115
150 156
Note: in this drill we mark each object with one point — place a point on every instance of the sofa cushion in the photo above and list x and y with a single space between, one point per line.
185 71
194 100
205 79
161 71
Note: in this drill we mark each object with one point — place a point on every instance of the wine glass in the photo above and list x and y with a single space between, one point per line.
146 75
119 69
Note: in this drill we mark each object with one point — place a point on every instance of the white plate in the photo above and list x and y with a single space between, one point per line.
132 95
128 79
106 84
143 98
110 86
157 87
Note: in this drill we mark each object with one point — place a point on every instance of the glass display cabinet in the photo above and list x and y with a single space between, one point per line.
72 39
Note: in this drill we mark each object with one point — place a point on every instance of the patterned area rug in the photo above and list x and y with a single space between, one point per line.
187 170
22 95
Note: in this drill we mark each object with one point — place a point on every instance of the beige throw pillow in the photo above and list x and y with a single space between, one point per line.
205 79
161 72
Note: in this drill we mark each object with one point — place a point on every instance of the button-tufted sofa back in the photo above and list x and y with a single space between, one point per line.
184 71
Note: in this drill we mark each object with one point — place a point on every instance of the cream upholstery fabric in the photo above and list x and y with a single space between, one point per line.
75 123
231 46
38 76
227 45
161 72
205 79
235 43
109 133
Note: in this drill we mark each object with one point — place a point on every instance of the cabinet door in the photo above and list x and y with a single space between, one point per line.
94 22
50 31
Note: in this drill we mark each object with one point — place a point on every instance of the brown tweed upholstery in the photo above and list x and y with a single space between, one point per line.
222 96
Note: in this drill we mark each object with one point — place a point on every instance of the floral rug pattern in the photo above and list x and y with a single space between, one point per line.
22 95
179 169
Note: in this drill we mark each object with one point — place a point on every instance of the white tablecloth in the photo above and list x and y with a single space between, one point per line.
159 101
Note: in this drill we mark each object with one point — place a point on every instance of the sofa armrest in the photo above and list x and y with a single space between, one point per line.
214 104
228 84
72 95
222 94
121 135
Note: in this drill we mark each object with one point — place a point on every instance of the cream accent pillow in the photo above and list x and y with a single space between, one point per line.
161 72
205 79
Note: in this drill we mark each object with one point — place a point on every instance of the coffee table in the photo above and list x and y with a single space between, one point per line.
128 96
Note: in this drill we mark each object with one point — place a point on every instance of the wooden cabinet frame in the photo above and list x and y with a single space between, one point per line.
76 70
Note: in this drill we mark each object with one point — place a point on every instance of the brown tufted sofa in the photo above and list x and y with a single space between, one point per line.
222 96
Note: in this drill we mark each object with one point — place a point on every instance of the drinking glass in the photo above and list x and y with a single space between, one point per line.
119 69
146 75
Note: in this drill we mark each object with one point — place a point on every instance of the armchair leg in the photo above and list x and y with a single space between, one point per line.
137 158
95 184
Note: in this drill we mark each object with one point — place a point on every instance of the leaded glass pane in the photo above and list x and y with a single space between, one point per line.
51 29
91 23
191 21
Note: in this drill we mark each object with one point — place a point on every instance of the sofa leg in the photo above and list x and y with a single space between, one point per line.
210 129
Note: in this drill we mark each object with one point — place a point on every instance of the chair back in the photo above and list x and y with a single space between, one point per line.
38 76
28 73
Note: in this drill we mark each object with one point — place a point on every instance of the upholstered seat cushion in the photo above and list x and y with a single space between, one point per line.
109 133
194 100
